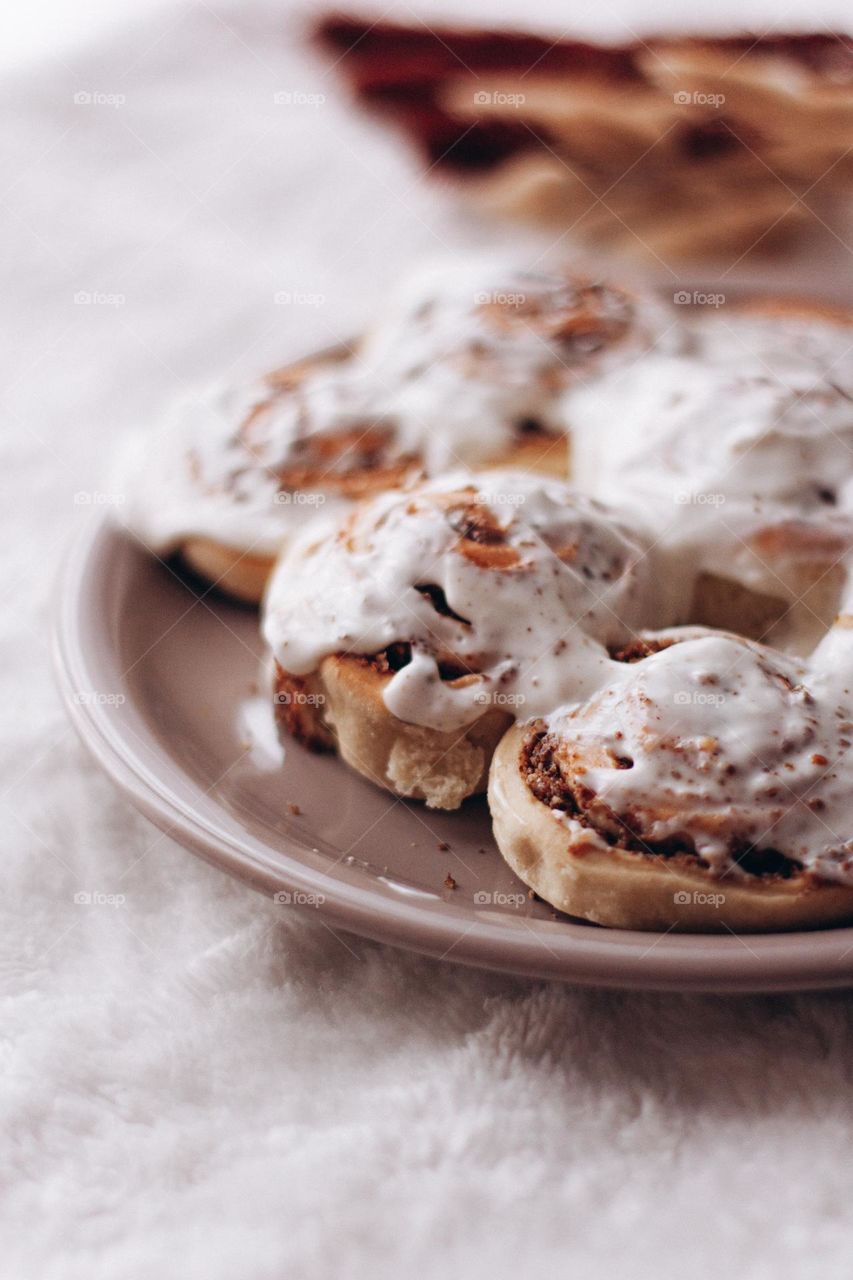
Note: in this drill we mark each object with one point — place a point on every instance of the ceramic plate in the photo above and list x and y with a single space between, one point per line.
164 682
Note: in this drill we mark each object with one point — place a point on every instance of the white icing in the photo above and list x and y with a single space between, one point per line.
462 355
199 477
534 629
465 351
752 428
731 440
728 745
739 453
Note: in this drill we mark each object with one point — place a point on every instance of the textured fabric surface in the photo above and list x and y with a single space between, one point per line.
195 1085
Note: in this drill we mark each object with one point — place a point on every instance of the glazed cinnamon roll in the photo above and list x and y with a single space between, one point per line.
739 451
469 365
411 635
705 786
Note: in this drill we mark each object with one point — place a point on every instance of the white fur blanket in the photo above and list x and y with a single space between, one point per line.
193 1085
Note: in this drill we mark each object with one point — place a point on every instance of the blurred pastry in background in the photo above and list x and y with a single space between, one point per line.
677 146
469 363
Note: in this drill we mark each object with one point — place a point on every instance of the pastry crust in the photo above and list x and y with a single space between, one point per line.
794 625
793 308
624 142
244 575
427 619
341 705
576 871
797 622
240 574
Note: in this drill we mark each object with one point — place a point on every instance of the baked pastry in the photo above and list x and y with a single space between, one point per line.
676 145
738 451
469 365
705 786
413 633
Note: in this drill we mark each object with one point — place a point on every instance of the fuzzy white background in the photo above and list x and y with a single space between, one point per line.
197 1084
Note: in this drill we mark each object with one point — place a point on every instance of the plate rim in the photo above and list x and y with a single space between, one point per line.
798 960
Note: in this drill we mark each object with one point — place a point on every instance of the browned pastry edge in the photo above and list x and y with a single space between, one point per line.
573 868
342 705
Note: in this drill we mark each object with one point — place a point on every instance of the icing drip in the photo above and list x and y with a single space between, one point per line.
510 580
738 451
467 361
722 748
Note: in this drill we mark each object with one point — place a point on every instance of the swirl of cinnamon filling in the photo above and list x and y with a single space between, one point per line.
469 365
739 451
500 589
708 748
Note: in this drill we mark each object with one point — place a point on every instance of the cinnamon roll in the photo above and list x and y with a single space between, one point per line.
739 451
704 786
469 365
412 634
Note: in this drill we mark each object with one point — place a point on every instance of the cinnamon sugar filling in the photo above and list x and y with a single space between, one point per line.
587 313
640 647
545 777
388 661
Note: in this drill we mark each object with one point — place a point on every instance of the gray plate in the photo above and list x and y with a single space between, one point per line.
166 689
